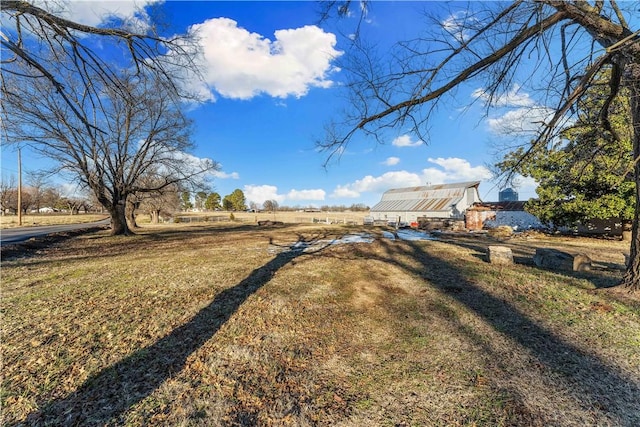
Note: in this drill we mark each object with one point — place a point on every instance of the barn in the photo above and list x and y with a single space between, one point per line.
432 201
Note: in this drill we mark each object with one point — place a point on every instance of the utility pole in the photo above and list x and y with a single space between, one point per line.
19 188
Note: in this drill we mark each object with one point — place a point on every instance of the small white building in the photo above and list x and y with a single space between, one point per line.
495 214
433 201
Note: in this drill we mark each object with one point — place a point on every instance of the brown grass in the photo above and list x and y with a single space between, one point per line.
11 221
289 217
224 325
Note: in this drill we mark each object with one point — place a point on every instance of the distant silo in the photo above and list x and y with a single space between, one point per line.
508 195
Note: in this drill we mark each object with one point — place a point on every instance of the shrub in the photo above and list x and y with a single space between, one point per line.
501 232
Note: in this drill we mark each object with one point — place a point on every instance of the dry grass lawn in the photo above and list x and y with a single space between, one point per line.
11 221
224 324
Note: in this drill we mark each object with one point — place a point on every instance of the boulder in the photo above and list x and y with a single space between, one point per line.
500 255
553 259
268 223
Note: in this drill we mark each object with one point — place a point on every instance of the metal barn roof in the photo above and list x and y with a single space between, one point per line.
425 198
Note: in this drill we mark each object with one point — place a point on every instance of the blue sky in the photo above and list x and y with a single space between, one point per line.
273 82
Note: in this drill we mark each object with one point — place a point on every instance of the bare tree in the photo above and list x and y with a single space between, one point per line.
165 200
562 45
162 202
51 198
270 205
8 195
144 133
199 199
72 204
26 200
104 124
38 183
43 45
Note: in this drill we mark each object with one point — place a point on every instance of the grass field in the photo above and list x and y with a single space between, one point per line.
11 221
287 217
225 324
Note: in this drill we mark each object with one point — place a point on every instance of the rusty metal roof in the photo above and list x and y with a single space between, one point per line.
461 186
425 198
416 205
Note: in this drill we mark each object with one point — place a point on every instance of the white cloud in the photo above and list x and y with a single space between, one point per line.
306 195
450 169
377 184
225 175
460 169
525 119
188 161
344 192
520 121
260 193
513 98
95 13
405 141
236 63
69 190
526 187
387 180
456 25
391 161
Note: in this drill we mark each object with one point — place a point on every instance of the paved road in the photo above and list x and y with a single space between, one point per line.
20 234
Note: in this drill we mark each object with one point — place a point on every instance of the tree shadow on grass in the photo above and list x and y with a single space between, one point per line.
28 248
209 228
105 397
600 276
595 384
35 250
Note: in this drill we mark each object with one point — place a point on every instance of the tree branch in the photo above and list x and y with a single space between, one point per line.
470 71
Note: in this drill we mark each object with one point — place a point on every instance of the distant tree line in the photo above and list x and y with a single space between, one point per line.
237 201
202 200
356 207
39 196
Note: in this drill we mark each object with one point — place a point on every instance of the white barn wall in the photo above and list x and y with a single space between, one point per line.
462 195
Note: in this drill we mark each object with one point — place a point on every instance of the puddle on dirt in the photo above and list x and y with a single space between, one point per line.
315 245
312 246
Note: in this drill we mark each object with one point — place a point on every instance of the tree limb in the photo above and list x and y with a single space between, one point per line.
470 71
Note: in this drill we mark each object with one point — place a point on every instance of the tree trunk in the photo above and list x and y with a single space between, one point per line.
155 216
119 219
131 220
632 275
131 215
627 230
